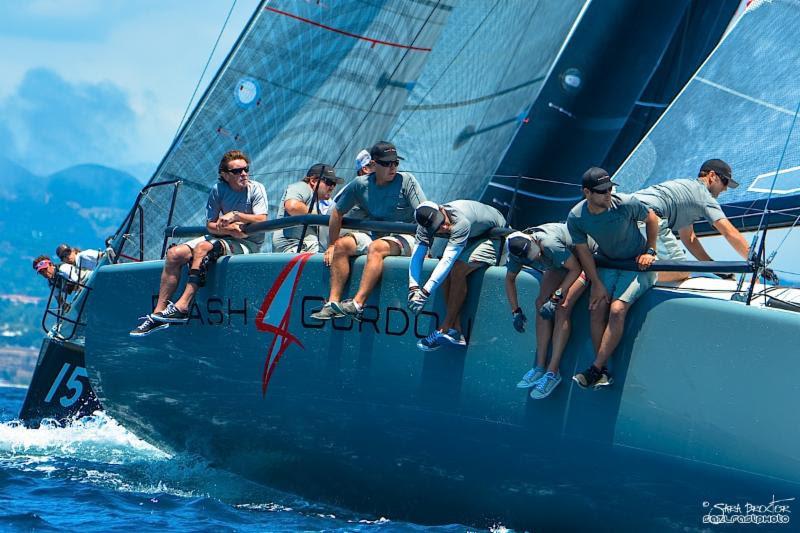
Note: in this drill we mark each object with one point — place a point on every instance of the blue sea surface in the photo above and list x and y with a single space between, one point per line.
97 476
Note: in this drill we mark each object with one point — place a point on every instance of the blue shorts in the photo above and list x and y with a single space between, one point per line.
626 285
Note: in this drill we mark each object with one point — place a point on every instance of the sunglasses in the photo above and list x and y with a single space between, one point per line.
724 180
605 191
328 182
239 171
387 164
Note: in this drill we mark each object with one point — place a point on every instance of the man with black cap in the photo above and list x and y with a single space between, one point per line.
464 223
682 202
612 221
302 198
383 194
549 249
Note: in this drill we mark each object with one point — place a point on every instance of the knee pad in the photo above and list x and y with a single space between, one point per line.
197 277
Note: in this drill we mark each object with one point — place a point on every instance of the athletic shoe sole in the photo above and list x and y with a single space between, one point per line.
164 320
453 341
148 332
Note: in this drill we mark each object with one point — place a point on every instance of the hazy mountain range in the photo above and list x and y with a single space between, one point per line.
80 205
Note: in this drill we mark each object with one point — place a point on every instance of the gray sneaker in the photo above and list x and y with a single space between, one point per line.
326 313
348 308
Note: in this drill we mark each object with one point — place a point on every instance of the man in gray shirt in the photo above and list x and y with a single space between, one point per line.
547 248
465 224
233 202
302 198
384 194
680 203
611 220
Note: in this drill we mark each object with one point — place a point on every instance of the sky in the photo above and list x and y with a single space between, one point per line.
105 81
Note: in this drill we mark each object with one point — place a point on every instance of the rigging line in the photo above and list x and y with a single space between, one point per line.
380 93
445 69
205 68
777 170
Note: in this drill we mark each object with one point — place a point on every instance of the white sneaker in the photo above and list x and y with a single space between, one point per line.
530 377
454 337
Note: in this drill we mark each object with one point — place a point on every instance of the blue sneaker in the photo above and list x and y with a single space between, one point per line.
530 377
454 337
545 385
432 342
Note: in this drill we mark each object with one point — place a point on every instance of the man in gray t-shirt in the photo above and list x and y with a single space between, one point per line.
612 221
384 194
302 198
465 224
547 248
682 202
233 203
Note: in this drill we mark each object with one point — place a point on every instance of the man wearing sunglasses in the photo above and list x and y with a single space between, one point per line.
384 194
301 198
682 202
233 202
612 221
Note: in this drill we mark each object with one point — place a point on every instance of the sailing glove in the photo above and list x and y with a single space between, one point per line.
417 299
548 309
770 276
519 320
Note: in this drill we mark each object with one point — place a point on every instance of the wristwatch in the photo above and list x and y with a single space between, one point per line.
557 295
651 251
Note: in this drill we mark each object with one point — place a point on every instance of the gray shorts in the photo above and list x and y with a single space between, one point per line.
626 285
230 245
480 251
281 244
668 246
363 240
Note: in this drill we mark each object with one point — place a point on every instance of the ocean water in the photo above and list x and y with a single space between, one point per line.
97 476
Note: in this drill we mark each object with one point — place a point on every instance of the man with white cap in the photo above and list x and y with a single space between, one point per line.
465 224
547 248
682 202
385 194
612 221
364 164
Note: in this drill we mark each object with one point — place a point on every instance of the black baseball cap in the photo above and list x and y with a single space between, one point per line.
384 151
321 170
428 215
597 179
522 246
721 169
63 251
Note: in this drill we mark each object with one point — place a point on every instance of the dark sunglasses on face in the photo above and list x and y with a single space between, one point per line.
604 191
329 183
387 164
724 180
239 171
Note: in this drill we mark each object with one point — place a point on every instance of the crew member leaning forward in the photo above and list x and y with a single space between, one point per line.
612 221
465 224
384 194
682 202
549 249
233 202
